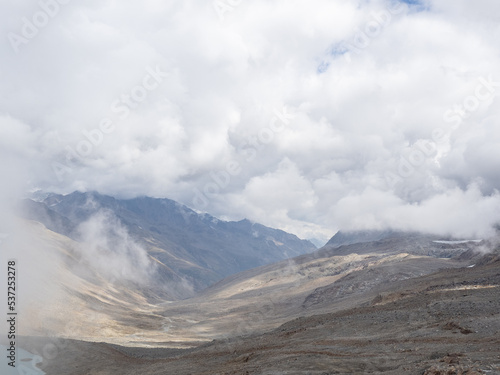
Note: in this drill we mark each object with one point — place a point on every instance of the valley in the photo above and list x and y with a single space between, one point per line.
443 323
367 302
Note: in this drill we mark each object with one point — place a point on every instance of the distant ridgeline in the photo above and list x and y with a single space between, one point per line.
197 249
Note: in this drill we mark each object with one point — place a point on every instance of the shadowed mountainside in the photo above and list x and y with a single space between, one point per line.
197 248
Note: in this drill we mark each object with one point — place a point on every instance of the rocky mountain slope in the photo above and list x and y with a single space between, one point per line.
330 279
249 302
196 248
446 322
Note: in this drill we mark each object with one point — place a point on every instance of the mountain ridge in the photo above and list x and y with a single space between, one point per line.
196 247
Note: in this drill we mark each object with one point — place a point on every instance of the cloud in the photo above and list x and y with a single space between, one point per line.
108 248
467 214
371 84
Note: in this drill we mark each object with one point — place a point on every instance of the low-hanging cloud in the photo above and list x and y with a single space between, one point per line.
455 212
107 247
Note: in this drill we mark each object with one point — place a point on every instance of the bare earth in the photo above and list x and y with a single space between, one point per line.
447 322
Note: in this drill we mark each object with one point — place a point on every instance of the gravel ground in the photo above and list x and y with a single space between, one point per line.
444 323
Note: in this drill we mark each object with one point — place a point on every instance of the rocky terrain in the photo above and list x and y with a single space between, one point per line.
446 322
263 298
392 303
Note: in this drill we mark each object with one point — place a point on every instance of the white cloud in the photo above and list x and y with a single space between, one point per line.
107 247
357 116
455 212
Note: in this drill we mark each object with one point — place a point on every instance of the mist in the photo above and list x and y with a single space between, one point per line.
107 247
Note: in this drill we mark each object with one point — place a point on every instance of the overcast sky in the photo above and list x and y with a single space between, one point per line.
309 116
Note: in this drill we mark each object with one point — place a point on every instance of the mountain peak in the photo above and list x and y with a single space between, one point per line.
342 238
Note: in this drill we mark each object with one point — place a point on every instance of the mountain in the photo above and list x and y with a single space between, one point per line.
329 279
389 241
355 237
248 302
196 248
37 211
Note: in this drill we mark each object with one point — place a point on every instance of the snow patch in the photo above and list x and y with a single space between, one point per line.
457 242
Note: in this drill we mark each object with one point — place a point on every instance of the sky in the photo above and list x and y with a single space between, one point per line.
308 116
